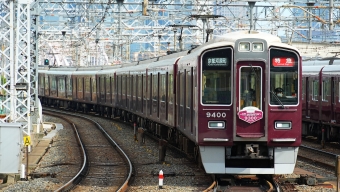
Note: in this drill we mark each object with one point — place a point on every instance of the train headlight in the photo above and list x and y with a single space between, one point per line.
258 47
216 124
244 46
283 125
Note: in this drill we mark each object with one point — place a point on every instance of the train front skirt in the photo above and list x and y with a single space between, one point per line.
215 162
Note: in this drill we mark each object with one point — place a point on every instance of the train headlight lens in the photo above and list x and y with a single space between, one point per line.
283 125
216 124
244 46
258 47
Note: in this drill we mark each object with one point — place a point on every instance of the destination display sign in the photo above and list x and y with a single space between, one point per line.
217 61
283 62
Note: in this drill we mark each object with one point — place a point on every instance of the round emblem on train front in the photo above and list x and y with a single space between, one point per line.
250 114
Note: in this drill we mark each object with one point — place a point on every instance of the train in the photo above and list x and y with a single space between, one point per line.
232 103
321 99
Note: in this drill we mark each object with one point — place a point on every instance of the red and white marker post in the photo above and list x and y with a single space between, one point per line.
161 177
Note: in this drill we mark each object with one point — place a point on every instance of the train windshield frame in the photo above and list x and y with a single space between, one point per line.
216 77
284 77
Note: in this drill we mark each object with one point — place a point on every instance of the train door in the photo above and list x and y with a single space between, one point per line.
64 87
101 89
134 92
105 90
171 99
181 99
188 100
162 97
57 84
155 95
250 99
119 90
144 94
149 105
68 88
88 88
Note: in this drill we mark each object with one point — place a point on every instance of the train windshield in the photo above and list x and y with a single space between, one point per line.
216 77
283 77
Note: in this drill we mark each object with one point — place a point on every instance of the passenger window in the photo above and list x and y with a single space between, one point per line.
303 89
339 92
188 89
325 89
315 90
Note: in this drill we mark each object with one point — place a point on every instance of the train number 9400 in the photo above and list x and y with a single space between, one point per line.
216 114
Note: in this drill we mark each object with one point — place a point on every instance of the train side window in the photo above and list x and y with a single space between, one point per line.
128 85
101 88
107 89
303 88
69 84
111 89
93 88
155 87
76 87
53 83
188 89
182 88
88 85
339 93
124 85
80 87
315 90
171 87
46 85
162 87
140 86
325 89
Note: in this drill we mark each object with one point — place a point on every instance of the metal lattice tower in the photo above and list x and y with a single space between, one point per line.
15 87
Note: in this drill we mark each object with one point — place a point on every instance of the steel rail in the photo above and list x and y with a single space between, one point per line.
77 178
124 186
320 151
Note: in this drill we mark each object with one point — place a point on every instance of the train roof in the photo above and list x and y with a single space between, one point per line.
311 70
56 72
232 37
326 69
87 72
107 71
331 69
326 61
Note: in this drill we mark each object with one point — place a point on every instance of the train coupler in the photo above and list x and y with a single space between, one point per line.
252 150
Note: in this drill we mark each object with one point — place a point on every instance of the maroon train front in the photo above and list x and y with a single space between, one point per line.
233 103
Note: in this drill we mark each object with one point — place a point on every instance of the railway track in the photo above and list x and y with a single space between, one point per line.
104 165
179 171
318 157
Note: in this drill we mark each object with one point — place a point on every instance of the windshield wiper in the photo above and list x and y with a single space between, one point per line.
277 98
